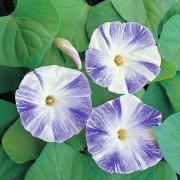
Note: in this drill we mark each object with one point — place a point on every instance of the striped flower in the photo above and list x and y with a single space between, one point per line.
54 102
122 57
119 135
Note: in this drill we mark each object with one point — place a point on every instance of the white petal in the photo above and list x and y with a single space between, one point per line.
71 106
131 41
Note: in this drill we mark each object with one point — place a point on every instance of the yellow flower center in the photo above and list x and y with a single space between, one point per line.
118 60
49 100
122 134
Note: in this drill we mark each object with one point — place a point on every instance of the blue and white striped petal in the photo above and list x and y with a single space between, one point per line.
119 135
54 102
122 57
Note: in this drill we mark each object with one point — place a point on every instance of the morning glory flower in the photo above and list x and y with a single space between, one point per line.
119 136
54 102
122 57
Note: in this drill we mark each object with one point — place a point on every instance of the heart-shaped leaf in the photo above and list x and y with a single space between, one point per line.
9 170
172 88
148 13
28 33
156 97
169 43
73 16
101 13
20 145
8 114
168 137
78 142
10 78
168 70
60 161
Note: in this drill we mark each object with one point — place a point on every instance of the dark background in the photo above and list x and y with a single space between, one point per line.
93 2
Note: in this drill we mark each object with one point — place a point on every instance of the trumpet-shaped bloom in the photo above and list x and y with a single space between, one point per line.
54 102
119 135
122 57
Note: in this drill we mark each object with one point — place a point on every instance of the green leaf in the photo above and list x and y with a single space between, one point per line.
172 88
156 97
164 172
10 78
101 13
8 115
20 145
140 93
175 9
168 137
168 70
28 33
78 142
52 57
60 161
169 43
56 57
100 95
9 170
15 2
148 13
73 16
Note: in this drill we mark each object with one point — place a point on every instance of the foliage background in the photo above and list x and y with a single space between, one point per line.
26 43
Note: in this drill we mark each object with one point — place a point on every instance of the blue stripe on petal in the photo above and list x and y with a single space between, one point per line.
146 116
131 34
100 73
75 83
27 117
96 132
96 67
155 69
96 136
60 133
94 58
79 115
117 107
81 82
114 27
149 152
138 35
101 29
133 158
73 119
150 155
39 78
124 161
40 127
134 80
146 154
110 162
25 106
